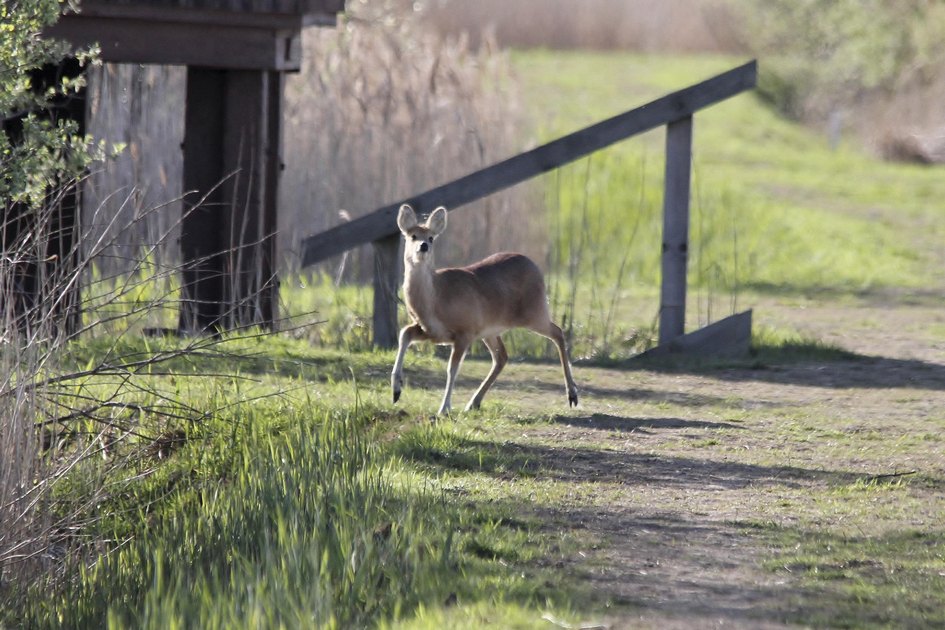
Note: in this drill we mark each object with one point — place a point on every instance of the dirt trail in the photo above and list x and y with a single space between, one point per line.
673 471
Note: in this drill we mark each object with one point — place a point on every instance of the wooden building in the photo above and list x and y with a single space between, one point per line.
236 54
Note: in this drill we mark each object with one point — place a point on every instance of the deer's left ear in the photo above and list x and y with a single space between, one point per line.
437 221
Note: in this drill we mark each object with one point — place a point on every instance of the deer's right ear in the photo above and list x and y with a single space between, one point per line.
406 219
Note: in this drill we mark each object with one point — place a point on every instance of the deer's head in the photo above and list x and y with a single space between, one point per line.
419 237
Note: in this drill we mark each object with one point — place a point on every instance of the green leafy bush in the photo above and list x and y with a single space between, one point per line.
38 152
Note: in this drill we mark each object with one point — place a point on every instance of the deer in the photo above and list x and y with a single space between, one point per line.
457 306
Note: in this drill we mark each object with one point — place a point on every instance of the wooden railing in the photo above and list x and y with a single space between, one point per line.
673 110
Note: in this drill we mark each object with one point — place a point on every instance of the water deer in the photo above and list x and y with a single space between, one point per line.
457 306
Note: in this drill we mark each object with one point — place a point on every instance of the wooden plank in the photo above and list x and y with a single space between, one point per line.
675 254
673 107
245 129
130 40
242 6
232 158
223 9
727 337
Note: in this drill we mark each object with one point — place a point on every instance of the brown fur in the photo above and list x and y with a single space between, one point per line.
456 306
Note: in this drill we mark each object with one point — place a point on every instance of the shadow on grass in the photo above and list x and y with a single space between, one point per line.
605 422
511 460
692 569
810 365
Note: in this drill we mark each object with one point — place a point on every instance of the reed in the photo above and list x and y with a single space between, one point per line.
384 109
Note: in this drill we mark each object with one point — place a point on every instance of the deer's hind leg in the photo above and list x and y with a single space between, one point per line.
499 358
553 331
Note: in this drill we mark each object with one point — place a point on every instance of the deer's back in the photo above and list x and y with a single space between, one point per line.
499 292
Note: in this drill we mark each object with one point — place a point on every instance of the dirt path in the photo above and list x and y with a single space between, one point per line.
689 479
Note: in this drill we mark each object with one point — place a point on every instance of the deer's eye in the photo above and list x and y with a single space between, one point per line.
413 237
431 240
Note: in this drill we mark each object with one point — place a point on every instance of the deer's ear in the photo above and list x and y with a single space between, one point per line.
406 219
437 221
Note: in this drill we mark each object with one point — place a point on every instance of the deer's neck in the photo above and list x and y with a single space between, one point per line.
419 290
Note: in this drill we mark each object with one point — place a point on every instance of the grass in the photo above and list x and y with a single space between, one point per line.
495 518
771 201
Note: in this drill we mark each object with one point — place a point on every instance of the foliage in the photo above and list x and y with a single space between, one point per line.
821 56
47 152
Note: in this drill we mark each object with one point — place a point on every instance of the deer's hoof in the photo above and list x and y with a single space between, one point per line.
396 395
572 400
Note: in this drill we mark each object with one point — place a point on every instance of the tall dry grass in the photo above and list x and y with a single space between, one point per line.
384 109
680 26
33 336
53 418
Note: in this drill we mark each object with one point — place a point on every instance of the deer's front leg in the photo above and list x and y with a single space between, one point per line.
408 335
460 346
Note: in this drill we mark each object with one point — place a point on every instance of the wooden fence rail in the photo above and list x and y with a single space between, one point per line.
674 110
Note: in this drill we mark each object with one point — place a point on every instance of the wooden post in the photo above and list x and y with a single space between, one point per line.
269 293
675 229
232 158
388 275
201 239
249 201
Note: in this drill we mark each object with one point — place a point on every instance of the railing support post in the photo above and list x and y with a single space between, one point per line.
388 275
675 229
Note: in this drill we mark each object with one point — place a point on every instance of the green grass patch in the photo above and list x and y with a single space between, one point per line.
890 580
286 499
773 208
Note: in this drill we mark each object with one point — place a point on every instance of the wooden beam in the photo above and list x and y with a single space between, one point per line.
274 165
675 255
230 34
260 13
164 41
248 221
678 105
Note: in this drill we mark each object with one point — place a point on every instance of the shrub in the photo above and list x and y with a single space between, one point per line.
878 65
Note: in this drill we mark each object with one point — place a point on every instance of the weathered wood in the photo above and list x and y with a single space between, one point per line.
236 34
248 224
269 292
675 255
388 274
670 108
329 7
727 337
130 40
201 240
231 158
